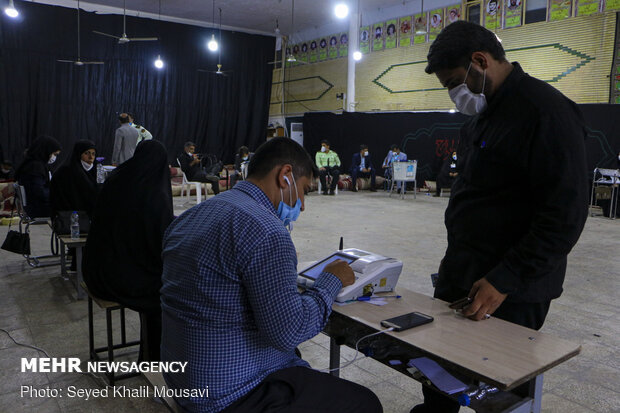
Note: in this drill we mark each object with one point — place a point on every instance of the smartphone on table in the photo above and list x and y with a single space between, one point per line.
407 321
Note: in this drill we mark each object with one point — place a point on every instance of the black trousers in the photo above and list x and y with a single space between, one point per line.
334 173
356 173
303 390
530 315
150 335
212 179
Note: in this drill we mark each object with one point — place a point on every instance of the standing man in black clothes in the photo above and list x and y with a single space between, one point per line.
190 165
519 202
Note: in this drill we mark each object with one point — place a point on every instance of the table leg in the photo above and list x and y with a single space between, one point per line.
78 276
334 357
536 391
63 261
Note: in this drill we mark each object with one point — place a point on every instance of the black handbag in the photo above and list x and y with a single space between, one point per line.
62 222
15 241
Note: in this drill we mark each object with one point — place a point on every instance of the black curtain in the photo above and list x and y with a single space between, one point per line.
39 95
430 137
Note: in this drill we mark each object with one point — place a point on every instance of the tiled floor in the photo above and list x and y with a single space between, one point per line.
39 308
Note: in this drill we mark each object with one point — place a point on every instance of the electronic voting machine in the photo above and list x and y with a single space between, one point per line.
374 273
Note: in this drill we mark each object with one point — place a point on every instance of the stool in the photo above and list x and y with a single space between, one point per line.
108 306
328 181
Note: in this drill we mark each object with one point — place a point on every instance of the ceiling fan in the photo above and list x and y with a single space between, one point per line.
124 39
290 58
79 61
219 70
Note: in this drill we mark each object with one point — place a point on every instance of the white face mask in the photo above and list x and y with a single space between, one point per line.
366 153
466 101
52 159
245 158
454 157
323 149
87 166
5 171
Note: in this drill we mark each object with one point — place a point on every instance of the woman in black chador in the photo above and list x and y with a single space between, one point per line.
122 259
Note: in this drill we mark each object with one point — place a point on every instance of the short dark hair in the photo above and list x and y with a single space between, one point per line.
123 118
456 43
326 142
280 151
363 146
394 146
7 162
188 144
243 150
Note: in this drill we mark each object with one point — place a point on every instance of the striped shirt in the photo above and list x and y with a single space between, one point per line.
230 304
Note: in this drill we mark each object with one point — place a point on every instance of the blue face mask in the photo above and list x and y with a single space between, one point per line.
288 213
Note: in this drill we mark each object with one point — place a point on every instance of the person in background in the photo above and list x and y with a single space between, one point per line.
34 175
394 155
328 163
74 185
506 251
125 141
233 311
190 165
361 166
447 174
7 173
242 160
122 258
143 133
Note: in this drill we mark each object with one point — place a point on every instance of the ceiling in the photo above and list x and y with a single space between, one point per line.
254 16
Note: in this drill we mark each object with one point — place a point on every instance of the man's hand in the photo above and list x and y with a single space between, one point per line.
486 300
365 170
321 169
342 271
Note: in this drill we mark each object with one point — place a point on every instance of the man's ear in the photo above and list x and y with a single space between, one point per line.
281 176
481 59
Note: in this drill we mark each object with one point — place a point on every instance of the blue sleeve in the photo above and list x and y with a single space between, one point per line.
284 316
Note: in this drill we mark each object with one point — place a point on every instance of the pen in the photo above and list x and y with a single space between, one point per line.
377 296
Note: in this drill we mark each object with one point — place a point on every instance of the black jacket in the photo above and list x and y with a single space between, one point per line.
520 200
185 159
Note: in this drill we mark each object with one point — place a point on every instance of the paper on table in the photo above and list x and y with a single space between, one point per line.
377 301
438 376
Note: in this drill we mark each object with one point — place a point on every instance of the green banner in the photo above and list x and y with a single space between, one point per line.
611 5
365 39
323 49
404 34
343 45
377 36
559 9
332 49
453 13
420 27
513 14
587 7
391 34
314 52
436 23
491 14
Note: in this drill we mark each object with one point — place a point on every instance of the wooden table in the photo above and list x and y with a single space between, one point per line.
493 351
78 244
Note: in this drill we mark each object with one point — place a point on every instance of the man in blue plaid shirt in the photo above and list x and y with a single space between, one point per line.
230 304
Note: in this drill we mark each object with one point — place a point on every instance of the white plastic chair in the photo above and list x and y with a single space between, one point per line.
186 186
328 180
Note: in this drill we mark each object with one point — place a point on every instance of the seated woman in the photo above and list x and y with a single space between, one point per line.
122 257
74 185
34 175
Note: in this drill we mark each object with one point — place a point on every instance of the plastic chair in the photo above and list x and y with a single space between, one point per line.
186 187
328 180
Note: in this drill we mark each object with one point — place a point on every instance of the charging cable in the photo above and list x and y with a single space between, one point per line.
48 356
348 363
